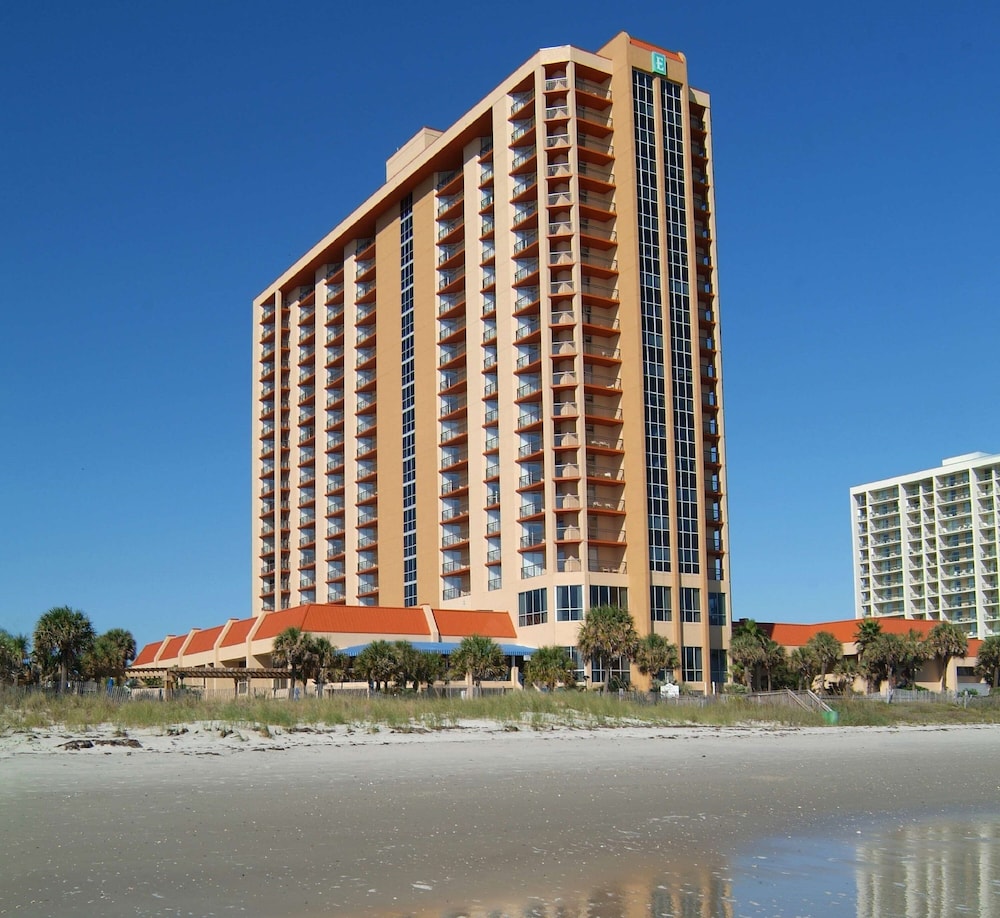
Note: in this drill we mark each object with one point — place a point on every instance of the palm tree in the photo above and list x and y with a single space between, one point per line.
772 656
867 633
946 641
479 657
654 654
110 655
803 663
378 664
846 671
14 657
326 662
916 652
549 666
606 634
745 650
887 657
62 636
295 649
988 662
828 652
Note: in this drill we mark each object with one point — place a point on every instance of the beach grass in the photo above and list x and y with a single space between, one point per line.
416 713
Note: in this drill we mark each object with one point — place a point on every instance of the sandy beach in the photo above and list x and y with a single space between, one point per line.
454 822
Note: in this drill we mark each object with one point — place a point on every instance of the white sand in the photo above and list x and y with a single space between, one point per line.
452 822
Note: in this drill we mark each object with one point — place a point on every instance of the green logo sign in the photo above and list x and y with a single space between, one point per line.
659 63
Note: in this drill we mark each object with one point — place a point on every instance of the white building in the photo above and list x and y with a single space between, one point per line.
925 545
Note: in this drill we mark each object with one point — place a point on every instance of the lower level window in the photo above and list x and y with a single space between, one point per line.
692 671
532 608
569 603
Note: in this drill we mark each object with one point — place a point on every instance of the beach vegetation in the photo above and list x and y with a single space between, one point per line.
20 711
478 657
549 667
15 658
945 641
109 656
378 664
988 664
295 649
62 638
828 651
656 657
607 634
746 652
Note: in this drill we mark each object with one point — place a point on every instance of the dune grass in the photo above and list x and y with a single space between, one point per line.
410 713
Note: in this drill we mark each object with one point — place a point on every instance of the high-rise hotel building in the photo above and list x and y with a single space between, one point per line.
926 545
497 383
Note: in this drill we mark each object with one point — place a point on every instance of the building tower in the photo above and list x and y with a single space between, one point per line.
926 545
497 383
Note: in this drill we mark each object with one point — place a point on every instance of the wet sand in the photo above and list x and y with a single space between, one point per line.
448 823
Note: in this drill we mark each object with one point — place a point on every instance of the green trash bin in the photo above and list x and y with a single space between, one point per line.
830 717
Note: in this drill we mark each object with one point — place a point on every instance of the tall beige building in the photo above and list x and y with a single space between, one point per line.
497 383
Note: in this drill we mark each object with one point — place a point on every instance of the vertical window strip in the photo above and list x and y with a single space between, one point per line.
654 370
685 468
408 391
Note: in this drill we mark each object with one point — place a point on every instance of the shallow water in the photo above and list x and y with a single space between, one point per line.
916 869
913 869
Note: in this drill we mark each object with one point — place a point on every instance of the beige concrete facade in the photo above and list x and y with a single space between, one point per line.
497 384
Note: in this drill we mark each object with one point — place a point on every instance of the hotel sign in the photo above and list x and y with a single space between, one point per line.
658 63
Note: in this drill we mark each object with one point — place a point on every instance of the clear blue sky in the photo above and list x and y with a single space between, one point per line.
161 163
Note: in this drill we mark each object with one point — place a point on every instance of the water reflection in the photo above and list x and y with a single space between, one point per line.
916 870
926 868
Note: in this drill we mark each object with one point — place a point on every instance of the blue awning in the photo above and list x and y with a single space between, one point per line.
446 648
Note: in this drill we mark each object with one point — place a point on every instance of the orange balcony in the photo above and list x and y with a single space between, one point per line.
450 256
450 232
599 269
604 535
527 301
595 122
524 190
449 183
522 133
595 149
605 474
525 162
450 208
600 322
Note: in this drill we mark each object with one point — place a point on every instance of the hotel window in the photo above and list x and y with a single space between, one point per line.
569 603
716 608
609 596
619 672
651 309
690 604
680 333
719 667
659 604
692 671
532 608
578 668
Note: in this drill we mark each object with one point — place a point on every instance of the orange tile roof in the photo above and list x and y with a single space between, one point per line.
238 632
797 635
204 640
463 623
147 655
276 622
172 647
330 619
